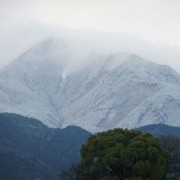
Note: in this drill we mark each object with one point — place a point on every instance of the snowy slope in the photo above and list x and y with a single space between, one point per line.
114 90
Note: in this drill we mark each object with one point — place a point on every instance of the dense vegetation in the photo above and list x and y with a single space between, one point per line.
169 137
121 154
30 150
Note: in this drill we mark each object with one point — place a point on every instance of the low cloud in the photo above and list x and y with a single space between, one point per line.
84 42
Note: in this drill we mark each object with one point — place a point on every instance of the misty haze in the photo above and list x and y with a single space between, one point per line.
89 90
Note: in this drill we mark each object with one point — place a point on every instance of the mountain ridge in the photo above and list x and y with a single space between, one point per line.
96 92
161 130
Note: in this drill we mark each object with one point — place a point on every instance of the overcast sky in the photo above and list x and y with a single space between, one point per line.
24 22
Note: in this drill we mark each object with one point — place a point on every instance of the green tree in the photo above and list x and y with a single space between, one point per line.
122 154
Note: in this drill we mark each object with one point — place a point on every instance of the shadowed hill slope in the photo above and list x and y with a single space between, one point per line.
30 150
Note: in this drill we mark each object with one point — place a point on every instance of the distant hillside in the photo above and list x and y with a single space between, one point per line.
30 150
161 130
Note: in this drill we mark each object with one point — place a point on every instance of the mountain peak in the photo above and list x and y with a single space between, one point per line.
61 87
51 43
46 48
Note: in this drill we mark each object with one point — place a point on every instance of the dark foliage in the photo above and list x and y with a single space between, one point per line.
173 145
169 138
30 150
121 154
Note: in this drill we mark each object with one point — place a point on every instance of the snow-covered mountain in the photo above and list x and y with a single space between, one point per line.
62 86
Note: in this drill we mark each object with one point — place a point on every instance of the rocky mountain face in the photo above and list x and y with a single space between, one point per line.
61 86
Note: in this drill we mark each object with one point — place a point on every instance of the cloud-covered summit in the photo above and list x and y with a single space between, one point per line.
109 90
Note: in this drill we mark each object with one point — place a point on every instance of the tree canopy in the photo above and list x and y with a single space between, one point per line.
122 154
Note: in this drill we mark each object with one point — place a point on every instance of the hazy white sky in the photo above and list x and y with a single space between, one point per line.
24 22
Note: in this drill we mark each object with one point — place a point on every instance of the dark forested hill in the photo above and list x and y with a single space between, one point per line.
30 150
169 138
161 130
